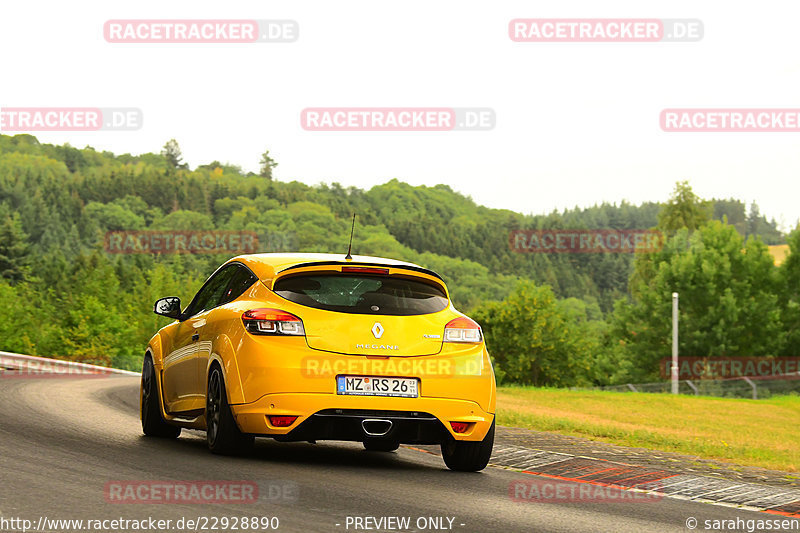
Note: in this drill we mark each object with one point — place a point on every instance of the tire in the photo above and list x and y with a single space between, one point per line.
468 456
222 433
153 424
381 445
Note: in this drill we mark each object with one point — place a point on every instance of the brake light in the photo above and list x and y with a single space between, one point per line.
462 329
267 321
459 427
282 421
365 270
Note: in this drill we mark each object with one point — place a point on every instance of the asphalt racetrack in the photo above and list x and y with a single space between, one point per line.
66 443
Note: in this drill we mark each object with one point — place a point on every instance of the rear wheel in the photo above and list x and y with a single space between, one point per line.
381 445
153 424
466 456
222 433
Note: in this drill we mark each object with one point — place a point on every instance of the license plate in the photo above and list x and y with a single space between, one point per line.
377 386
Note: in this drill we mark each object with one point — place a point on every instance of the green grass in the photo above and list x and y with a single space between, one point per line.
763 433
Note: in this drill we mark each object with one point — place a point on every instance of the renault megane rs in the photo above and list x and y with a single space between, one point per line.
307 347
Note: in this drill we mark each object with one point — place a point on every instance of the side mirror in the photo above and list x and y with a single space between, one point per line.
169 307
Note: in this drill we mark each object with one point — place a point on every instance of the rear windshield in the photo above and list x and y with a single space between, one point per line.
363 294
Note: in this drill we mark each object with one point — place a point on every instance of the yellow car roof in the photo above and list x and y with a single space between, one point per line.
265 266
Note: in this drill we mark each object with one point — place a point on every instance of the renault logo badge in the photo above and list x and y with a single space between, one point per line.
377 330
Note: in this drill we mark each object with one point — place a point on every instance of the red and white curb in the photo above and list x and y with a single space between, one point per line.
752 496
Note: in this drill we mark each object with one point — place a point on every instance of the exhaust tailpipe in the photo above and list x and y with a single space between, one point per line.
376 427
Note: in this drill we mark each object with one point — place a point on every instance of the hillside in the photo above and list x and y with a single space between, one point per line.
58 203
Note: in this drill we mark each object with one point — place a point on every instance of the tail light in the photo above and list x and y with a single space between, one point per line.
459 427
365 270
462 329
266 321
282 421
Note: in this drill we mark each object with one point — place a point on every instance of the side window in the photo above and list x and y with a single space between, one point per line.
240 282
212 292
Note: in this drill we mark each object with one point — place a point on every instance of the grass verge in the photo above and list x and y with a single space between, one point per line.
763 433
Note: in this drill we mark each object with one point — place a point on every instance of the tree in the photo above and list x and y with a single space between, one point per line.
538 340
684 209
172 153
113 217
211 166
757 224
728 301
13 249
267 164
733 211
753 220
789 294
183 220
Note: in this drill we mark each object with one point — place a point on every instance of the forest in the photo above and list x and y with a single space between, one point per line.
559 319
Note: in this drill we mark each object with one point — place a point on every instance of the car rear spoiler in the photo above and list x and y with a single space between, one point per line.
414 268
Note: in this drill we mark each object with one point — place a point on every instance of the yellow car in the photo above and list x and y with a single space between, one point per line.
307 347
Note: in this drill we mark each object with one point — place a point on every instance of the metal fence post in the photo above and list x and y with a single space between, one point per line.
753 385
674 372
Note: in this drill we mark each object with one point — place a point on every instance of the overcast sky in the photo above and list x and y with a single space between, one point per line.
577 123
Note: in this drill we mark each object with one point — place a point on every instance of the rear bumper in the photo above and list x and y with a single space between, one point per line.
408 427
286 366
339 417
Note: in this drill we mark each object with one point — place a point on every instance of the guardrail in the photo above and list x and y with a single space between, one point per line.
738 387
20 364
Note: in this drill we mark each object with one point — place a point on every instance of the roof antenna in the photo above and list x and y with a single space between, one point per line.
350 246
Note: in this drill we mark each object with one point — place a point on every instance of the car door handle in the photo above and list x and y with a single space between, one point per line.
195 337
